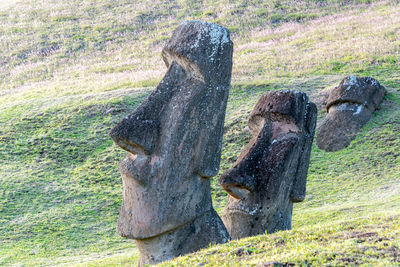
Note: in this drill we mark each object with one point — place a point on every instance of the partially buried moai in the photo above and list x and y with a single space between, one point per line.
174 143
270 173
349 105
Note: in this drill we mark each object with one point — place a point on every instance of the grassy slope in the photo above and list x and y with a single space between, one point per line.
69 72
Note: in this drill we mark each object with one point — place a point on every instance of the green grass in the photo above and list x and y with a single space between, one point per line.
59 194
373 240
70 71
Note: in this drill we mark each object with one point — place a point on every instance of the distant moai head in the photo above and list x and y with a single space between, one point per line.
350 106
270 173
174 137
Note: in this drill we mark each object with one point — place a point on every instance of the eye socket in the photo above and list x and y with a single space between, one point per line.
279 123
283 127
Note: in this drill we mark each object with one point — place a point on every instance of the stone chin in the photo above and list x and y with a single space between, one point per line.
267 216
147 211
242 222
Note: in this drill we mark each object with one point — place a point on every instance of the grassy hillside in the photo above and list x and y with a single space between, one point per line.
70 71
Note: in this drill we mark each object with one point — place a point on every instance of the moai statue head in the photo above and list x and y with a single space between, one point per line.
174 143
349 105
270 173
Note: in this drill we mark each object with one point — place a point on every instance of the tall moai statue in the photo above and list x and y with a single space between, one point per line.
270 173
174 140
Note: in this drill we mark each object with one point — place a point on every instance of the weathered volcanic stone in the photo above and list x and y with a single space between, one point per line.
174 142
349 107
270 173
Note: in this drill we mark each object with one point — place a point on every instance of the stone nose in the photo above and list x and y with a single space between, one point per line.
242 179
136 136
238 181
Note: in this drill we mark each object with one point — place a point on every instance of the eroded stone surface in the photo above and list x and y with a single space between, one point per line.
349 107
174 144
270 173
